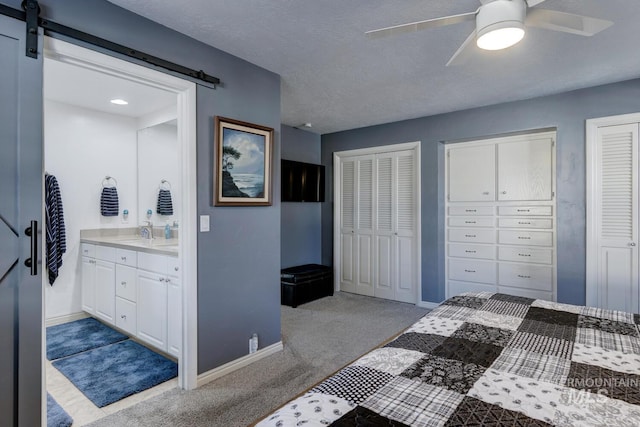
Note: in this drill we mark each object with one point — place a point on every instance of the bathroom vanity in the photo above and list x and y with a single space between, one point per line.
134 284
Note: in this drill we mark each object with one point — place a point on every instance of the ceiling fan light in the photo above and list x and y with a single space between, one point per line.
500 24
500 36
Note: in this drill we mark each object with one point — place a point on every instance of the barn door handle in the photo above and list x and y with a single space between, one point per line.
32 262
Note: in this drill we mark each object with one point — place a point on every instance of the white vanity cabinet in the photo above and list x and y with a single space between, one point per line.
88 277
98 281
138 292
159 302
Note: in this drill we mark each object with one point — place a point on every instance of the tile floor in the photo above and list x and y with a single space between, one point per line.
81 409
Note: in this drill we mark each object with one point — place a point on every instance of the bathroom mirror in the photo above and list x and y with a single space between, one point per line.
158 167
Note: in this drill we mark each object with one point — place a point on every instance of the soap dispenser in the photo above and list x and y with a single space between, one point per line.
167 231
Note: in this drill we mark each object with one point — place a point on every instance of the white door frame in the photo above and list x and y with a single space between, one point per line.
592 125
186 99
337 199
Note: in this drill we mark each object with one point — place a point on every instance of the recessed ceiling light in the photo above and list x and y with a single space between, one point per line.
119 101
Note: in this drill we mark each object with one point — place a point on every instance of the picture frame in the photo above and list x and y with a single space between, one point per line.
243 163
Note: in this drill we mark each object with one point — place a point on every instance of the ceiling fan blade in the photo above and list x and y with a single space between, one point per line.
422 25
532 3
465 48
565 22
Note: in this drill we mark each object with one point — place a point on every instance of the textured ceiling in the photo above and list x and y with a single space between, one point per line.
337 79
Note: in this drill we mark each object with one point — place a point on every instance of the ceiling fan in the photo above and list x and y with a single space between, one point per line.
501 24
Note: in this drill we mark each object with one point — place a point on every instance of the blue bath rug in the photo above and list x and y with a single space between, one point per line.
113 372
78 336
56 416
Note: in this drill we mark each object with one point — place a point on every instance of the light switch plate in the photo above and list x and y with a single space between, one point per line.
204 223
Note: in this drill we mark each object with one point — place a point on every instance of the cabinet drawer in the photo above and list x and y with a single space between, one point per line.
525 210
456 288
472 271
525 222
535 255
472 251
470 222
87 249
126 282
527 293
526 276
469 235
106 253
152 262
126 315
470 210
126 257
173 267
528 238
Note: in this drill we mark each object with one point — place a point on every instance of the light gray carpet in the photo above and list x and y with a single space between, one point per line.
319 338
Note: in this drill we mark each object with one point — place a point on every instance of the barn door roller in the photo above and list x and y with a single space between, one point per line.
32 10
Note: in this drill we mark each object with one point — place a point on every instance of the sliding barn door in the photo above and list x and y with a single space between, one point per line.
616 197
21 154
378 225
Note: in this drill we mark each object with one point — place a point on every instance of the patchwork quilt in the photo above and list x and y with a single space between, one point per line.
485 359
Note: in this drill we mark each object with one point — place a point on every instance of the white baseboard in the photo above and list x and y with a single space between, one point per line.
65 319
234 365
428 304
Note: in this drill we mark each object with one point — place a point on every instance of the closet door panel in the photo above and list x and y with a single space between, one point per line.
364 203
348 223
405 201
525 170
472 174
617 228
385 218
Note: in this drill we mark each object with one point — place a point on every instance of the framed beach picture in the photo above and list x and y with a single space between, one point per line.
243 163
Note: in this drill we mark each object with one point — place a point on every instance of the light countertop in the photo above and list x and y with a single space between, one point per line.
128 238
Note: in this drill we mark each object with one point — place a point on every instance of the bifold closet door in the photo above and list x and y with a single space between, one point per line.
356 232
617 217
395 226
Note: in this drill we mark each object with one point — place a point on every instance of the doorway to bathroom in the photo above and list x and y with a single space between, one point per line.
120 162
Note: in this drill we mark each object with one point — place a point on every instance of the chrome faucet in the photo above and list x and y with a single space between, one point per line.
146 231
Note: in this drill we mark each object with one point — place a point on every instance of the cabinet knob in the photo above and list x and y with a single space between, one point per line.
504 192
161 279
123 283
123 316
124 258
485 193
176 268
632 244
168 280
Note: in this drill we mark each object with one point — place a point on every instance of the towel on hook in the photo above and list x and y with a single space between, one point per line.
109 201
56 240
165 205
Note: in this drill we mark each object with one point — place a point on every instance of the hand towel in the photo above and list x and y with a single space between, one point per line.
109 201
165 205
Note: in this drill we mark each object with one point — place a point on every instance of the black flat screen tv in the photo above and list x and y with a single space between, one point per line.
302 182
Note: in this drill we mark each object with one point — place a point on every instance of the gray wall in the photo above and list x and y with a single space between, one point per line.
567 112
301 226
239 260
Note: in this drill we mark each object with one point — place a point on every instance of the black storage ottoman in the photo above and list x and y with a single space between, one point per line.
305 283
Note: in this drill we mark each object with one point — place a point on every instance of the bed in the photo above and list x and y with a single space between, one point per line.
485 359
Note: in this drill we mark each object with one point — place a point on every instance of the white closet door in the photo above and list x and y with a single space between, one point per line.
472 176
525 170
385 221
348 225
617 224
405 202
364 224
